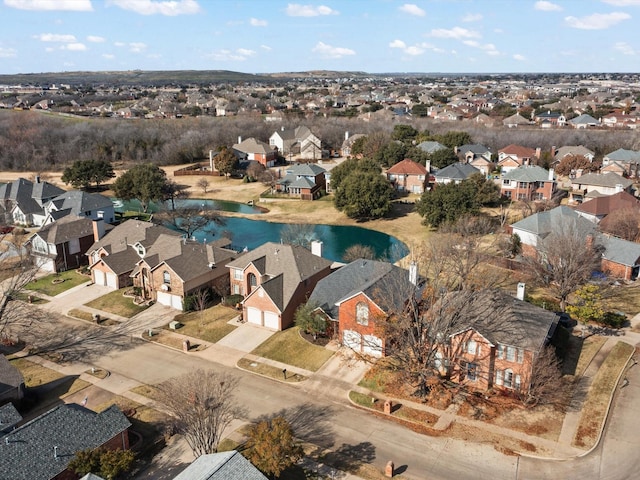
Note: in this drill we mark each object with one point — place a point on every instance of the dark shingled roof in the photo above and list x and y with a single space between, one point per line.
10 376
9 417
65 229
28 453
221 466
79 202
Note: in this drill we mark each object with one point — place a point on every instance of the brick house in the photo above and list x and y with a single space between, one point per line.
597 184
274 280
42 448
408 176
514 156
528 183
357 298
597 209
304 180
497 347
261 152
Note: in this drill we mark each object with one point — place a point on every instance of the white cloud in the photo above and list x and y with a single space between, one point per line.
623 3
597 21
520 58
137 47
254 22
7 53
414 50
54 37
472 17
625 48
169 8
545 6
120 44
95 39
245 52
239 55
108 56
455 32
488 48
49 5
297 10
266 47
398 44
74 47
412 9
328 51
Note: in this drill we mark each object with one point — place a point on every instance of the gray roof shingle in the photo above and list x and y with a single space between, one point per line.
221 466
456 171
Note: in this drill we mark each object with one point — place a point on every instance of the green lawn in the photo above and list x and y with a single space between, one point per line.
210 325
51 285
114 302
290 348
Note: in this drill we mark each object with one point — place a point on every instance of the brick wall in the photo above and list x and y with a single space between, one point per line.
616 270
348 320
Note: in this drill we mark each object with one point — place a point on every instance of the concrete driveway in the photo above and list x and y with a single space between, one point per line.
246 337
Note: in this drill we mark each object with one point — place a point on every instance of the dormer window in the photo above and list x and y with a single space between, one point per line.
166 277
140 250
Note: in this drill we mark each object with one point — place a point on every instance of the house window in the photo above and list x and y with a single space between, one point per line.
507 193
500 351
236 289
522 185
166 277
253 281
506 182
362 313
471 347
237 274
511 380
511 354
470 371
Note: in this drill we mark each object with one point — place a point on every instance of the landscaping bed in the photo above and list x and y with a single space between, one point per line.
116 303
57 283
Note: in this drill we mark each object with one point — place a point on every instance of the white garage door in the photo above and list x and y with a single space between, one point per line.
372 346
351 339
254 316
99 278
112 280
169 300
271 320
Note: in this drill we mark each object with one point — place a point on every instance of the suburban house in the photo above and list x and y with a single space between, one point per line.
348 142
252 149
23 201
431 147
528 183
572 151
628 160
42 448
592 185
221 466
274 280
552 119
80 204
299 141
113 257
172 268
408 176
620 258
455 173
470 152
303 180
620 119
357 297
62 245
584 121
596 209
514 120
9 417
514 156
11 383
497 347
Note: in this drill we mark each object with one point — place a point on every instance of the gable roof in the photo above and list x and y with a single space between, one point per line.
251 145
371 277
607 203
528 173
584 119
457 171
79 202
29 196
43 447
129 233
518 151
305 169
293 263
65 229
578 150
542 223
474 148
221 466
408 167
623 156
430 147
515 119
620 251
609 179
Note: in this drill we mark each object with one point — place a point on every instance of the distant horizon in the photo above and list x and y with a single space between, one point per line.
490 37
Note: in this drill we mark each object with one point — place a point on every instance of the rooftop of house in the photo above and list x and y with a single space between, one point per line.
605 204
578 150
29 196
408 167
609 180
78 202
42 448
624 156
251 145
9 417
305 169
456 171
528 173
518 151
221 466
65 229
431 147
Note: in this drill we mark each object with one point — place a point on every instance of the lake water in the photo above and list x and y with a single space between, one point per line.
222 205
248 233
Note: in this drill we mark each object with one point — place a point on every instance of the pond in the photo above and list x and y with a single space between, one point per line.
336 239
249 234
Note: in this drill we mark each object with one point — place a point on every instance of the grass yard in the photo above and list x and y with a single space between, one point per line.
290 348
269 371
116 303
57 283
35 374
210 325
604 383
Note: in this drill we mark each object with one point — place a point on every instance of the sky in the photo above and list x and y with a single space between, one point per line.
270 36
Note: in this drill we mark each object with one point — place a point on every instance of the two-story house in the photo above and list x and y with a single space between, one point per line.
80 204
528 183
304 180
408 176
252 149
23 201
274 280
598 184
299 141
514 156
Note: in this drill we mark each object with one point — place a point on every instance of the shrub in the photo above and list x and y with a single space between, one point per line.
613 320
233 300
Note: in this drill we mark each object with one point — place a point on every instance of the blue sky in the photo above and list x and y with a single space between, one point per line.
265 36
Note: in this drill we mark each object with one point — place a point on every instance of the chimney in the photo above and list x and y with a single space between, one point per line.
521 291
211 160
538 153
282 128
619 187
316 248
239 139
553 151
413 273
346 135
98 229
551 175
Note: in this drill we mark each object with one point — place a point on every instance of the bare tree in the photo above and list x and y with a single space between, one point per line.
202 406
298 234
565 259
354 252
190 220
203 184
623 223
547 385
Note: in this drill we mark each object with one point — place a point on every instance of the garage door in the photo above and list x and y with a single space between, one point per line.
372 346
254 316
112 280
351 339
169 300
271 320
99 277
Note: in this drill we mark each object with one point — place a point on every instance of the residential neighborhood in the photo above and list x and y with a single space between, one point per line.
514 297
